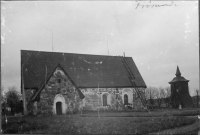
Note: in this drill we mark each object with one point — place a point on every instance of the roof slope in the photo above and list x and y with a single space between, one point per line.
86 71
178 77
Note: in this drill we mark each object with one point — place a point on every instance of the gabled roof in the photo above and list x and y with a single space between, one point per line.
178 77
48 76
86 71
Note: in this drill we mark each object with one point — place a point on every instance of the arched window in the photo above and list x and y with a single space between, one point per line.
104 100
125 99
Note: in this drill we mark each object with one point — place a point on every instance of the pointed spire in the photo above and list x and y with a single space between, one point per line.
178 73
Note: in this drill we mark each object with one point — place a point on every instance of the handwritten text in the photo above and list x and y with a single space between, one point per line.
139 5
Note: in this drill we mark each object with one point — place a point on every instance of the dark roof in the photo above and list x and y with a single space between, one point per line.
178 77
86 71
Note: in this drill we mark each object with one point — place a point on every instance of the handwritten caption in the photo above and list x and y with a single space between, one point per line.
139 5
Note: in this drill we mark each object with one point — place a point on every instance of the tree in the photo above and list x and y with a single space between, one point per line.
167 96
13 99
160 95
156 95
2 95
150 94
3 101
197 92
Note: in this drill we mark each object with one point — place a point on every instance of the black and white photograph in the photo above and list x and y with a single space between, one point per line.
100 67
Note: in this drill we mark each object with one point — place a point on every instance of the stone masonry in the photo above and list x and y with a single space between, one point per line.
115 98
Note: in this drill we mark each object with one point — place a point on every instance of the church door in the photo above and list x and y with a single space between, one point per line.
59 108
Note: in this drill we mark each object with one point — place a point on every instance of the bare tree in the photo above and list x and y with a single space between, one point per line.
197 92
151 94
160 95
168 91
3 100
167 96
2 94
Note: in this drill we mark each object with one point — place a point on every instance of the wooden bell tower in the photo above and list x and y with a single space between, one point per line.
180 92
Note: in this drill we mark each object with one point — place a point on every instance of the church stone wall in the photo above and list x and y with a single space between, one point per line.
115 98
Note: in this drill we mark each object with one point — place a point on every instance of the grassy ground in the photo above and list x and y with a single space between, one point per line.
153 113
109 122
192 129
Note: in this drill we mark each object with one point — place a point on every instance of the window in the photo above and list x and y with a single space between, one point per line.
59 80
117 93
104 100
125 99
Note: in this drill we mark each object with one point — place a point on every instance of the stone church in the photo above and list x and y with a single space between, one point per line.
65 82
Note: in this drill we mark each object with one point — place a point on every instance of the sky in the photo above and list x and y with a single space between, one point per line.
157 38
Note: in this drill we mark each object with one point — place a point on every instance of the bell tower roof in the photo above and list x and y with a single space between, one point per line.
178 77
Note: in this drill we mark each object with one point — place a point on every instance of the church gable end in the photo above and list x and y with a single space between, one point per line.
58 84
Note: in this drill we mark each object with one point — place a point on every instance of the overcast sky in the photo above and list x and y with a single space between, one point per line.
156 38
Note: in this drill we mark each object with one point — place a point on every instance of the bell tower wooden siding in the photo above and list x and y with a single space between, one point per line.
180 92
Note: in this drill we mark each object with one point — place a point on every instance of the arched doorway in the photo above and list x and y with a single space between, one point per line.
125 99
59 105
58 108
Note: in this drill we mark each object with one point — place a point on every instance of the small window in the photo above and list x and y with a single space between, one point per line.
59 80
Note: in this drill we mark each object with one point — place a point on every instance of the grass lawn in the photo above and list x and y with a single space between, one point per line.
107 123
153 113
183 130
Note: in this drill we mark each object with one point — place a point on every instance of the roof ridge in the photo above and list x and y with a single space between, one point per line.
76 53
